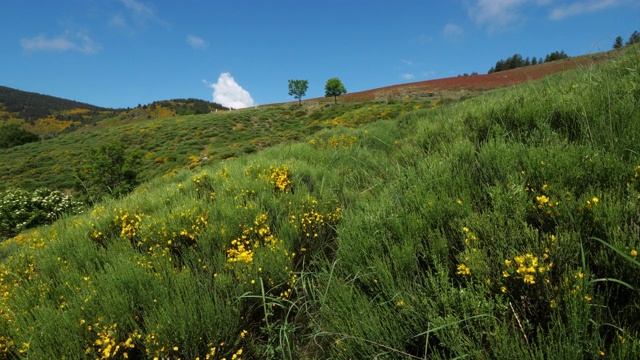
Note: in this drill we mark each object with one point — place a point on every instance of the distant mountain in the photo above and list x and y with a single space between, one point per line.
30 106
47 116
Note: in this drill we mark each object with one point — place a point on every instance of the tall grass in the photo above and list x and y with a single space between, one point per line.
491 228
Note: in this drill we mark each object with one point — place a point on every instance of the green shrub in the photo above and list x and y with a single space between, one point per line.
21 209
108 171
12 135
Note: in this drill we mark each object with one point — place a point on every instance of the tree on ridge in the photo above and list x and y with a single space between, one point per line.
335 88
298 89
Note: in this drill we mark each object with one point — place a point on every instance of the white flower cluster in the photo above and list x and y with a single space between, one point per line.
21 209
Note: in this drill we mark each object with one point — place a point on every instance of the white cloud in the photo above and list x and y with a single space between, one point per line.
196 42
139 9
500 14
228 93
579 7
140 12
69 41
452 32
407 76
496 14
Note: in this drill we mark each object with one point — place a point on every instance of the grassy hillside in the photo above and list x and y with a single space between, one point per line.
49 116
167 144
46 115
505 226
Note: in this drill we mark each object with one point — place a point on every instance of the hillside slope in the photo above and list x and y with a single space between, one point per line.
29 105
49 116
169 143
462 86
504 226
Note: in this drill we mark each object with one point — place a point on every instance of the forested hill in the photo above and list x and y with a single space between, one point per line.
30 106
48 116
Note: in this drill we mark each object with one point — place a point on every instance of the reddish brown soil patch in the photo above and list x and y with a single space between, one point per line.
462 85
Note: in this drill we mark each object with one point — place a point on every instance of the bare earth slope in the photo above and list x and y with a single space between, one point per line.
456 87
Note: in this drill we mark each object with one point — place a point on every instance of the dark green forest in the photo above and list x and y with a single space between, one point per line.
31 106
517 61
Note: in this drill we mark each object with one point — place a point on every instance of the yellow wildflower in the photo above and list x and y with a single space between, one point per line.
463 270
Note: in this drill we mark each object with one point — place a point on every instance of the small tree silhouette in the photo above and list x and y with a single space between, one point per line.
298 89
335 88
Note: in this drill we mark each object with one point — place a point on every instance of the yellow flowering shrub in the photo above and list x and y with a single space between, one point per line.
280 178
368 114
435 104
335 142
156 347
463 269
471 259
165 237
194 162
316 226
252 237
104 225
290 284
544 212
528 268
106 344
224 173
313 223
204 186
49 125
15 271
128 223
573 286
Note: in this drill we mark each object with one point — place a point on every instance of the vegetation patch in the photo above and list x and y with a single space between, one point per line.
503 226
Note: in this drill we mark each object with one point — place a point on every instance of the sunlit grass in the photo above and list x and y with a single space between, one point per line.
168 144
505 226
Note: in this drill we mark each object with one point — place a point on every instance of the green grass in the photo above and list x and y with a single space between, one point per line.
166 145
504 226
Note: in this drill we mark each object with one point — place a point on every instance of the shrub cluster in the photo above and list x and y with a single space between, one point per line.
21 209
13 135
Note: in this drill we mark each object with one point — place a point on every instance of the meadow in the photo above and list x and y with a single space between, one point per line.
167 145
503 226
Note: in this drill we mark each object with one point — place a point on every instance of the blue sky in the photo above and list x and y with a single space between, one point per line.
121 53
